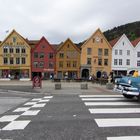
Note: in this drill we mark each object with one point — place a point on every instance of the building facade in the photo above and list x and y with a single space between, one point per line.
122 56
68 61
136 56
15 58
43 59
96 56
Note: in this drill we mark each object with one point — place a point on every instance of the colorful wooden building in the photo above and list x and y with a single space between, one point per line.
15 58
68 60
43 59
96 56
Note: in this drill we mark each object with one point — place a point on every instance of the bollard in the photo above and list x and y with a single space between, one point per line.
57 85
84 86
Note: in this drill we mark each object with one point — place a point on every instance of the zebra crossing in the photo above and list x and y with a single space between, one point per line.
29 109
107 105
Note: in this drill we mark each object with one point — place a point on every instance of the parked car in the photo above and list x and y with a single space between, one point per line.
129 87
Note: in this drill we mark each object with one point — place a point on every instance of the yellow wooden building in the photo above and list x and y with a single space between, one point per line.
15 59
68 61
96 56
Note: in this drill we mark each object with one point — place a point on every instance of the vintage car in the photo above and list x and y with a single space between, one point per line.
129 87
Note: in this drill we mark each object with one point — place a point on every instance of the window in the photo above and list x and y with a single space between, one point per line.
35 64
120 52
68 64
11 50
116 52
123 43
18 50
35 54
127 62
102 40
61 55
17 60
41 64
99 62
74 64
5 50
11 60
50 55
138 63
68 46
88 61
105 52
106 62
61 64
41 55
51 65
88 51
14 39
99 51
93 40
120 61
23 60
23 50
43 47
115 62
128 52
138 54
5 60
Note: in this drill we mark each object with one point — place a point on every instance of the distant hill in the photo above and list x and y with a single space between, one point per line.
132 31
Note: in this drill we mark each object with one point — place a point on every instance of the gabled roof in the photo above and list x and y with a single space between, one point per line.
114 41
43 38
68 40
135 42
98 30
14 31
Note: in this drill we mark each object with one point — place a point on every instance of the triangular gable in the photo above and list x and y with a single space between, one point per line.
13 31
98 30
68 40
123 36
43 38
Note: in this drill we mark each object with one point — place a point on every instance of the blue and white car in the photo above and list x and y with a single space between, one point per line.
129 87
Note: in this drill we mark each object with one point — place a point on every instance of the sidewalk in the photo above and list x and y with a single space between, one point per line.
48 87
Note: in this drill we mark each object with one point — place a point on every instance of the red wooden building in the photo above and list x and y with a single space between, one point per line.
43 59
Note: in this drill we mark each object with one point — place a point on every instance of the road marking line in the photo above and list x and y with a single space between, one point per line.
39 105
109 103
115 122
48 97
124 138
114 110
41 101
36 99
103 99
16 125
21 109
8 118
30 113
30 103
82 96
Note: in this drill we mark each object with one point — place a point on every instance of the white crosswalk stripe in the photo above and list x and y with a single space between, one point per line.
111 105
124 138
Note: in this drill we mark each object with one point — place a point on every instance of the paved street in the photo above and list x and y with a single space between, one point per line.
69 114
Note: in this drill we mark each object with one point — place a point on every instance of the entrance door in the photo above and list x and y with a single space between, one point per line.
85 73
99 74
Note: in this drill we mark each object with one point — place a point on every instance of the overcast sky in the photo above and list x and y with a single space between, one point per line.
59 19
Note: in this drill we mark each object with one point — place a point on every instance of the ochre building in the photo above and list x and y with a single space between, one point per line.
96 56
68 61
15 57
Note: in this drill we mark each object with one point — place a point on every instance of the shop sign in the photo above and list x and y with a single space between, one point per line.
37 82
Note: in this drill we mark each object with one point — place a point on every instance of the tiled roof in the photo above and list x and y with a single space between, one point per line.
114 41
135 42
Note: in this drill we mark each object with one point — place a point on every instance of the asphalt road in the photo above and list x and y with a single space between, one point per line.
67 117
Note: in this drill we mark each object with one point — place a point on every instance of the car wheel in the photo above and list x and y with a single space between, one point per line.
128 96
138 98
